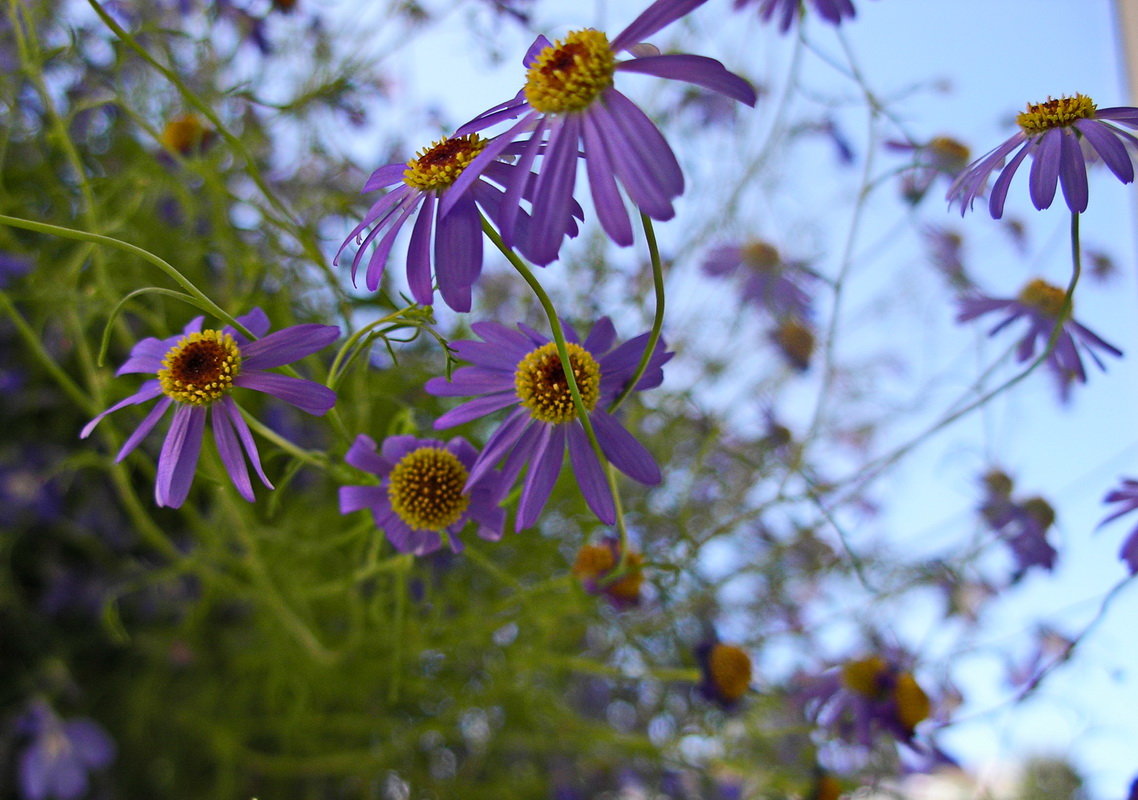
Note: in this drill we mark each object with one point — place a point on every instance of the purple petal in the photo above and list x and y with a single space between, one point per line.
489 153
148 391
544 467
419 254
1000 188
384 176
304 394
655 17
363 455
515 188
553 194
93 746
644 161
245 436
287 345
466 381
1045 168
700 70
458 253
357 498
601 337
488 355
590 475
602 181
378 260
147 355
230 452
503 439
179 456
479 407
621 448
1109 147
1073 173
256 321
144 427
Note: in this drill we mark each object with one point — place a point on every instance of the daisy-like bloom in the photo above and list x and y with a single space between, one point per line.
596 566
186 135
771 282
1054 133
941 155
788 11
447 233
195 373
1126 496
868 696
725 673
1041 304
571 107
60 754
1023 525
521 368
424 496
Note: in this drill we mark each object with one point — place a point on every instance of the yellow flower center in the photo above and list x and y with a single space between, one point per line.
864 675
912 703
568 75
425 489
1040 510
760 255
1044 297
542 388
436 167
1055 113
200 368
595 561
948 153
185 134
796 342
730 671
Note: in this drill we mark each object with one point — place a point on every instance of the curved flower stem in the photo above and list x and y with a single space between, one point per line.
300 453
563 353
146 255
657 319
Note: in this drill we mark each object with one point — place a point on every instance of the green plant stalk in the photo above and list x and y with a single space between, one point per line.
657 318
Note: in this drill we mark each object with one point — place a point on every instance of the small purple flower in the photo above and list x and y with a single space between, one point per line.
770 281
1055 134
572 108
521 368
60 753
941 155
725 672
1041 304
11 267
1023 525
788 11
195 373
424 493
1126 496
596 566
447 233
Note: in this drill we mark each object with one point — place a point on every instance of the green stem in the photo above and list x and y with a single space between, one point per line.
657 319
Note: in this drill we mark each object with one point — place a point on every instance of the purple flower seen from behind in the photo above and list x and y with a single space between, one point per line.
771 282
725 672
787 11
60 754
446 238
1056 134
571 107
1126 495
12 267
195 373
1042 305
424 492
521 369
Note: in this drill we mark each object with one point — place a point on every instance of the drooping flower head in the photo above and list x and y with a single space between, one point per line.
196 373
1041 304
521 369
570 106
424 497
1054 134
940 155
596 567
446 241
788 11
770 281
60 754
725 672
795 340
1126 496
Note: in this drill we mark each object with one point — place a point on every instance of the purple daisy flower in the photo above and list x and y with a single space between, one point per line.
1054 133
571 108
60 753
521 368
1041 304
596 565
725 672
195 373
771 282
424 492
447 233
1127 496
788 11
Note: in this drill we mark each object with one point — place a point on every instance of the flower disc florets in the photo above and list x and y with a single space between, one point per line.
425 489
729 669
200 368
1044 297
760 255
568 75
436 167
1055 113
864 676
542 388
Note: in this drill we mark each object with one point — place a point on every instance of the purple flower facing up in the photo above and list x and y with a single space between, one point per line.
195 373
424 493
770 281
1126 496
571 108
1055 133
788 11
1041 304
521 368
60 754
447 234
